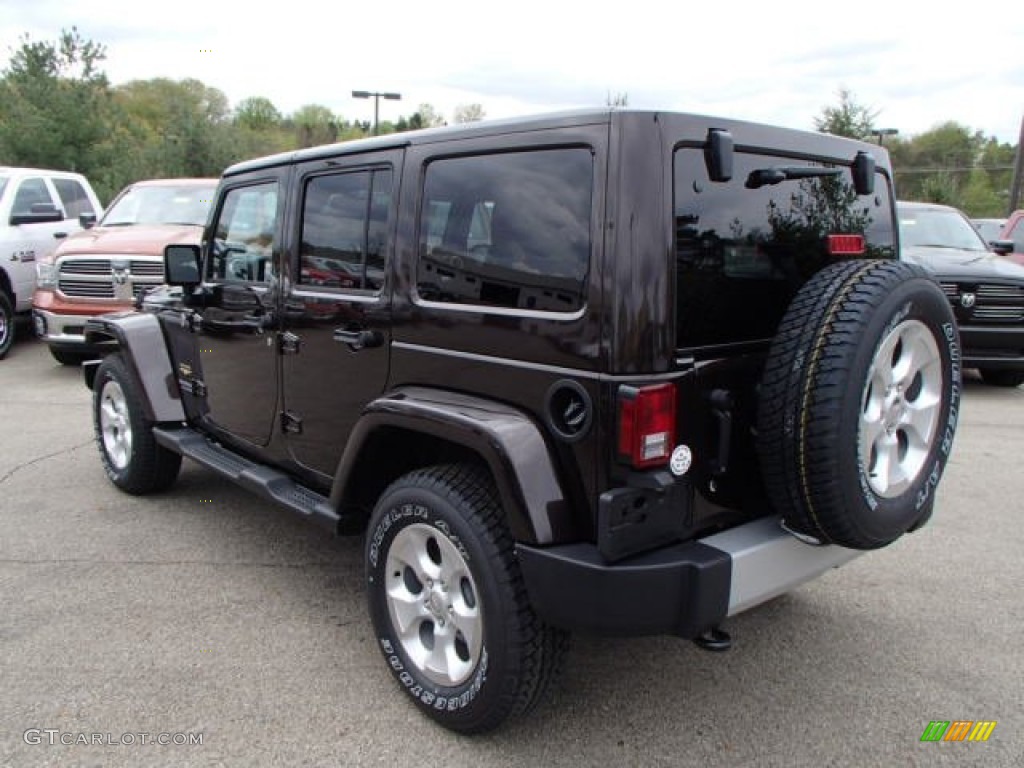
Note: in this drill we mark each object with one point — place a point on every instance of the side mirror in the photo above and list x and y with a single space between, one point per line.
39 213
718 154
87 220
863 170
1002 247
182 265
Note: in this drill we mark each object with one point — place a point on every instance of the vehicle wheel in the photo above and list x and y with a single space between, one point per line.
68 356
859 402
1002 377
133 460
448 602
6 324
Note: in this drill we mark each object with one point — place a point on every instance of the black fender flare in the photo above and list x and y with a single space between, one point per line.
138 337
508 441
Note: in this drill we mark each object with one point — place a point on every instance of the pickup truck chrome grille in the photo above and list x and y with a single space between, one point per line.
988 303
107 277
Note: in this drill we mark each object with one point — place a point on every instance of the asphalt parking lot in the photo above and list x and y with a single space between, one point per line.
207 611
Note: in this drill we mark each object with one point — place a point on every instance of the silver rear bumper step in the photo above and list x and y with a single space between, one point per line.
768 561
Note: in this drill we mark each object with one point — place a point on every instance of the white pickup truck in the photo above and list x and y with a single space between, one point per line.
38 208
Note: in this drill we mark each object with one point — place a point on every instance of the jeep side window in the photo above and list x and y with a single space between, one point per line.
73 195
738 246
507 230
344 230
30 192
245 235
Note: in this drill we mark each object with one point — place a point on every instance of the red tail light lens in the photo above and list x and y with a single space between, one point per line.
647 424
846 245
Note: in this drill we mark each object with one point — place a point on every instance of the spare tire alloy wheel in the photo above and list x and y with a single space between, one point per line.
448 603
859 402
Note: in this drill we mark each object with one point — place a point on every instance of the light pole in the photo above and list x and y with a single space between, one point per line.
376 103
880 132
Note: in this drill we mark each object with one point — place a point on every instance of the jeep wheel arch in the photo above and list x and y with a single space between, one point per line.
859 402
501 438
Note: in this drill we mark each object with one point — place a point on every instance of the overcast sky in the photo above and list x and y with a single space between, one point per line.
916 63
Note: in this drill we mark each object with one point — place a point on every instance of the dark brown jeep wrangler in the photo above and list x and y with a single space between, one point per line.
611 371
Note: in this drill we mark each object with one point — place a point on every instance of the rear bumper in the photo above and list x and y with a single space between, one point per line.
683 589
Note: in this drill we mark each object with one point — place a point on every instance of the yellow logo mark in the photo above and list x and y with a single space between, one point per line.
958 730
982 730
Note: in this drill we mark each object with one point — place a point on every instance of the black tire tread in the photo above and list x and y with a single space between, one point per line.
68 356
539 647
999 377
7 310
806 394
152 467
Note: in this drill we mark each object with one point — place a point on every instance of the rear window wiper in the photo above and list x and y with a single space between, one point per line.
763 177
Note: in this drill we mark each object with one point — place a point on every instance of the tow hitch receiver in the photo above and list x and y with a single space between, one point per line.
715 639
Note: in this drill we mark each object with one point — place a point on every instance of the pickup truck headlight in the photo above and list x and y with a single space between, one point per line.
46 274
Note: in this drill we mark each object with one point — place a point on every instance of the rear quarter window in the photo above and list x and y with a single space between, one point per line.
510 230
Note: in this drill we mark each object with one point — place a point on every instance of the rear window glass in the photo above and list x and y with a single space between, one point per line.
740 244
507 230
73 195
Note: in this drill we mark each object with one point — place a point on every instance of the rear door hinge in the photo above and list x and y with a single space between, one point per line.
191 321
289 343
290 423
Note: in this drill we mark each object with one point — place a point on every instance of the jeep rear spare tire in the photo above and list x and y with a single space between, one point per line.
859 402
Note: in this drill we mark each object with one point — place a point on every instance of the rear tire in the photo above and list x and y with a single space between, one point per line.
448 601
1002 377
6 324
131 457
68 356
859 403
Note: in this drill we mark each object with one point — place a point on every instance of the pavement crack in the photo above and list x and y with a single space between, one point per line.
30 462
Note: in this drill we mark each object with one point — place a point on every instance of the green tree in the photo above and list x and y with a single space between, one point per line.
181 127
315 124
257 113
426 116
848 118
469 113
55 104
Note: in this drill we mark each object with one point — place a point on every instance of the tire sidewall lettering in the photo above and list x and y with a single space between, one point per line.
430 696
947 340
420 689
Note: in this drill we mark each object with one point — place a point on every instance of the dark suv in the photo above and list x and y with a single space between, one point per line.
620 372
986 290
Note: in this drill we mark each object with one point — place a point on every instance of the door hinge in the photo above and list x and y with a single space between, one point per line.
290 423
191 321
289 343
193 387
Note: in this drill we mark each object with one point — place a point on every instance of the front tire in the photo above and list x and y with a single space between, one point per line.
68 356
448 603
1002 377
131 457
6 324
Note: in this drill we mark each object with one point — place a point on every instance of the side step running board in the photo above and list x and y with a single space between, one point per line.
265 481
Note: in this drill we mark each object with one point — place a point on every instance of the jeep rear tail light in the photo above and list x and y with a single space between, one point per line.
846 245
647 424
